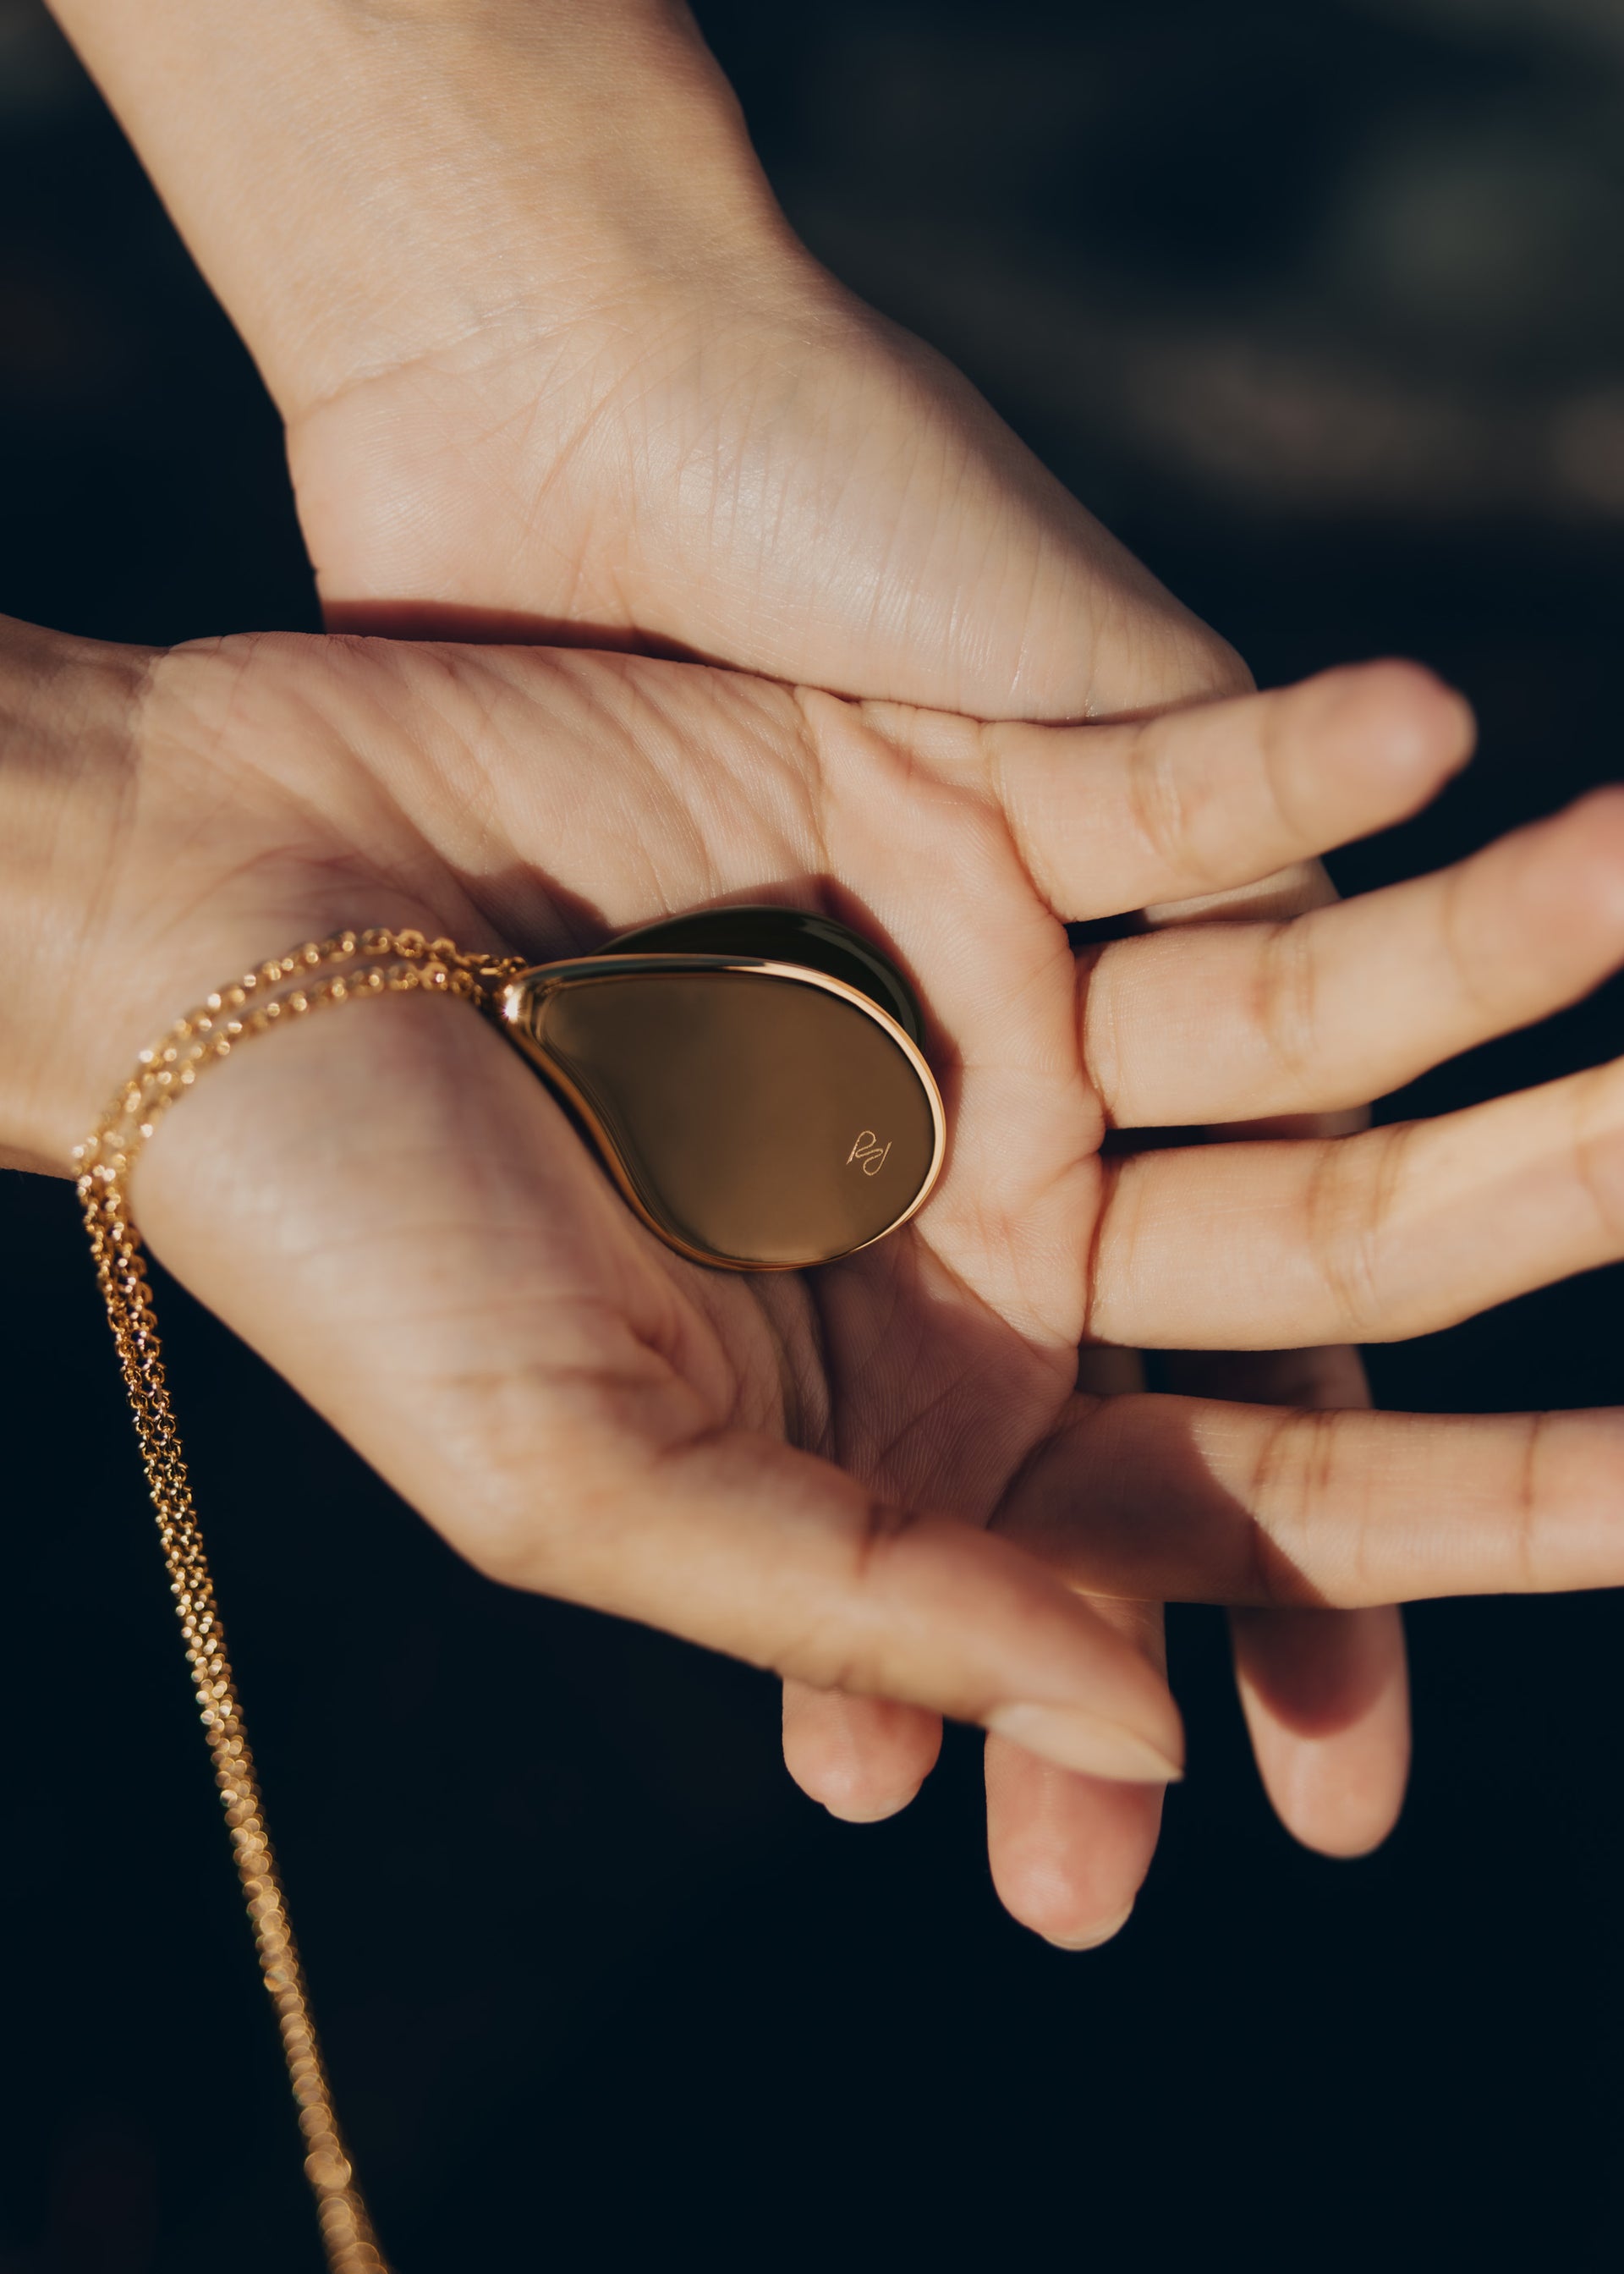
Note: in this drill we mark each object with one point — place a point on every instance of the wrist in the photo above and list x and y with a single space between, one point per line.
370 186
67 772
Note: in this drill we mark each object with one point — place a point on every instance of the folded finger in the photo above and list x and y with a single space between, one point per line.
1112 816
748 1546
1235 1021
1394 1232
1069 1853
1198 1500
862 1758
1326 1693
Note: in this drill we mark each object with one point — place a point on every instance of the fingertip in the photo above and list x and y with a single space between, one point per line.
861 1758
1588 879
1068 1854
1398 715
1325 1695
1338 1815
1091 1938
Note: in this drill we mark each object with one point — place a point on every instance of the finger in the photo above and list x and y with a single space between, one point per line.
386 1204
752 1548
1326 1699
1069 1853
1192 1500
1287 893
1396 1232
1231 1021
863 1758
1326 1693
1111 817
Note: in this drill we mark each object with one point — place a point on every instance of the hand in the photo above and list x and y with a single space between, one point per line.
541 383
815 1471
543 378
761 471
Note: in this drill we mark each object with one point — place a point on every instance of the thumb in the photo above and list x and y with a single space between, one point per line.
739 1542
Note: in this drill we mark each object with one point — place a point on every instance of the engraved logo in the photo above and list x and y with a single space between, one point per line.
869 1151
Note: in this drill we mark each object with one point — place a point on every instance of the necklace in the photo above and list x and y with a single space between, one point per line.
348 968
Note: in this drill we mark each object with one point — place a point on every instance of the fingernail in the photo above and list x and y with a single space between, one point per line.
1095 1935
1085 1742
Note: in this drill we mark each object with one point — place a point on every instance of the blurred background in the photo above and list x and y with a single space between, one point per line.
1317 303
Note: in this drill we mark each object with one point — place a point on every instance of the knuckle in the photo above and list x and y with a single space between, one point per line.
1286 1004
1278 743
1290 1486
1349 1208
1463 941
1159 805
828 1649
1098 1029
1528 1504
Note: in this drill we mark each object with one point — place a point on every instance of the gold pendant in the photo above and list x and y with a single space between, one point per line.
752 1078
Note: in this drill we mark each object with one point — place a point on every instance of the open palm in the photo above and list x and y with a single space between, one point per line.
813 1471
737 459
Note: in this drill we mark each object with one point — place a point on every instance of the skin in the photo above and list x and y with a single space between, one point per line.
880 1477
544 377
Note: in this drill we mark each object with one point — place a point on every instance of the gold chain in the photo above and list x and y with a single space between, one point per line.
290 987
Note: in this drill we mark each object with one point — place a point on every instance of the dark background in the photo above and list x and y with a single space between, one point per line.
1318 305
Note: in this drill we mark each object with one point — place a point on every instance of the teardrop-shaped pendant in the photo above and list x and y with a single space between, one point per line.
752 1079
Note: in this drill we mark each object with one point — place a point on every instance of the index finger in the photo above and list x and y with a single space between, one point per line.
1111 817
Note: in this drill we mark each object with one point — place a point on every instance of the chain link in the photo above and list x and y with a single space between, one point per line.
347 967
